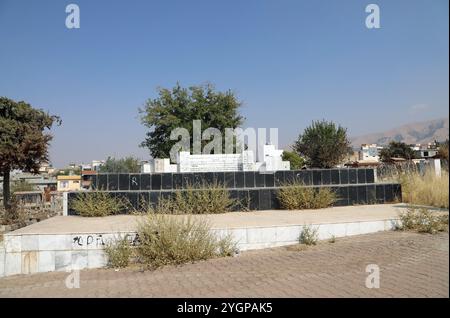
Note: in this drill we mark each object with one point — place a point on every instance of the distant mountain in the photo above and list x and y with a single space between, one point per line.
415 133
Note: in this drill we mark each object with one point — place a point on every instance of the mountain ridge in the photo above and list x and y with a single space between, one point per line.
414 133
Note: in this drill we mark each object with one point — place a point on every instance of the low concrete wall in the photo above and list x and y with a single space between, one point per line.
34 253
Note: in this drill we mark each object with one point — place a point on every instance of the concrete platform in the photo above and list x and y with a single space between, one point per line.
66 243
127 223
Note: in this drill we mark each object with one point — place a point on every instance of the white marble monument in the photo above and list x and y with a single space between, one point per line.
245 161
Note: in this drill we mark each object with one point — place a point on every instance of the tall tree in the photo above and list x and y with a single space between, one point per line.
179 107
397 149
123 165
24 139
324 144
296 161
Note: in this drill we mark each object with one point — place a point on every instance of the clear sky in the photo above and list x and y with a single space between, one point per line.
290 62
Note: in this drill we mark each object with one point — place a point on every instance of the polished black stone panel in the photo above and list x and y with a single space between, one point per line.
304 177
289 177
188 180
397 192
219 178
208 178
259 180
275 203
234 195
124 181
249 177
279 178
388 193
229 180
143 201
146 181
379 189
326 176
166 181
167 195
269 179
352 195
93 182
156 181
342 195
154 198
317 177
135 181
370 176
244 199
361 175
352 176
371 194
254 199
199 179
362 194
239 179
113 182
177 181
129 198
334 176
102 182
265 199
343 176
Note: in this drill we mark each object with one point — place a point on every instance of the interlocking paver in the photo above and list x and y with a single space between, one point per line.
411 265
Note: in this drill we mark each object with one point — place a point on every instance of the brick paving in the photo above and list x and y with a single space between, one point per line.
411 265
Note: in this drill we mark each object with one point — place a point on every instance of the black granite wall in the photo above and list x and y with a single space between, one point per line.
252 189
238 180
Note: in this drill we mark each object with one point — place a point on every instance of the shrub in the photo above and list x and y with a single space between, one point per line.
324 144
208 199
309 235
332 239
296 196
98 204
423 221
119 253
168 240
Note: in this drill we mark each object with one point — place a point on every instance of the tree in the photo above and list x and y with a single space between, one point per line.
178 107
397 149
24 140
123 165
296 161
323 144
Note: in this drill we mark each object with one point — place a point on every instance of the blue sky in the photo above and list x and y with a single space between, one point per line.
290 62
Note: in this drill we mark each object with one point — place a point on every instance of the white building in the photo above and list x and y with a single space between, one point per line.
272 161
370 152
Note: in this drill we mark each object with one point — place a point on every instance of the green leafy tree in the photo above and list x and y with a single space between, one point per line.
178 107
24 140
123 165
296 161
323 144
397 149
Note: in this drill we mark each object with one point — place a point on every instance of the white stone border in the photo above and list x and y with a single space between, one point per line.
36 253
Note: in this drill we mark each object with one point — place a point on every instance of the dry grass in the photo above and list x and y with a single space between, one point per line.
208 199
297 196
428 189
423 221
119 253
166 240
92 204
309 235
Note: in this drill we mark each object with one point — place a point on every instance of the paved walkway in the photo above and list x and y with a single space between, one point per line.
411 265
127 223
